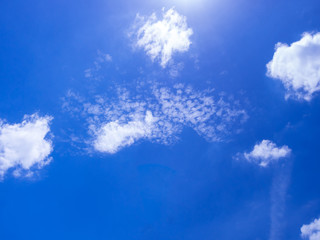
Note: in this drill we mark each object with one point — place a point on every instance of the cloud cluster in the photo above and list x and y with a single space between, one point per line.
312 230
298 66
159 116
23 145
267 152
162 38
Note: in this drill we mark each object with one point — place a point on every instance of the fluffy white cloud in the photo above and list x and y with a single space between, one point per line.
162 38
312 230
23 145
158 117
266 152
113 136
298 66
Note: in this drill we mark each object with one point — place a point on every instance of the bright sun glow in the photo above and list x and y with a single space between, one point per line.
188 3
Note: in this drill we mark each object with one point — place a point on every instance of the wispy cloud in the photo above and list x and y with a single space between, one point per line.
159 116
298 66
23 145
91 72
161 38
279 191
266 152
311 231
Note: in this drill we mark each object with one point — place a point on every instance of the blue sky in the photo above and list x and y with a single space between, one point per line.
160 119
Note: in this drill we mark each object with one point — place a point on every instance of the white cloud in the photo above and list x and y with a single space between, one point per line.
312 230
23 145
267 152
158 117
298 66
113 136
162 38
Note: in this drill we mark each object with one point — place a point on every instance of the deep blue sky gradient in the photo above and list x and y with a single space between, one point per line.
191 190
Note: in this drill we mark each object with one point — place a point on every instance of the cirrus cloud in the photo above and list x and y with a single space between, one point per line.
159 116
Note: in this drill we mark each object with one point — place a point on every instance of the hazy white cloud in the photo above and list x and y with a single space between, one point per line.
23 145
298 66
267 152
159 116
311 231
161 38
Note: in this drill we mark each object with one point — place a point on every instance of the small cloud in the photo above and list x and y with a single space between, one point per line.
113 136
311 231
298 66
23 145
267 152
161 38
